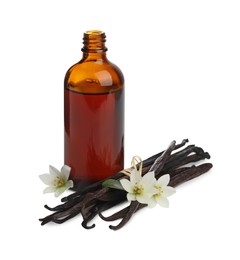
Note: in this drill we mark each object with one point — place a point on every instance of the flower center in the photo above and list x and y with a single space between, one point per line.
58 182
138 189
160 191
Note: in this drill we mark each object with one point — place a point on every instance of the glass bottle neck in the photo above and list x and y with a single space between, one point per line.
94 44
94 56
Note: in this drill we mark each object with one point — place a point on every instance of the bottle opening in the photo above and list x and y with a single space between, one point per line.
94 32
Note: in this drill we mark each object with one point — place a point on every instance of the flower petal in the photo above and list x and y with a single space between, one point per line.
162 201
151 190
49 189
143 198
168 191
135 176
59 191
152 202
47 179
149 178
69 184
127 185
163 180
53 171
65 172
131 196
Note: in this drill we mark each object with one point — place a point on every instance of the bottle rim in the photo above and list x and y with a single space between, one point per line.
94 32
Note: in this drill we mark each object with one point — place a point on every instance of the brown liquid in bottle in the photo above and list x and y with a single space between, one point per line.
93 114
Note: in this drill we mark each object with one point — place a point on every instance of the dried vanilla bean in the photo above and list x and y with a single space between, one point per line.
183 175
95 198
131 210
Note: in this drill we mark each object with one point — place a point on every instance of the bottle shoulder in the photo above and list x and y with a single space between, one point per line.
94 76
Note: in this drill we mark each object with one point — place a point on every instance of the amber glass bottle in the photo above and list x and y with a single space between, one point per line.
93 114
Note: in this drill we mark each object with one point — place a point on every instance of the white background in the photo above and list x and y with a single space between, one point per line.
181 61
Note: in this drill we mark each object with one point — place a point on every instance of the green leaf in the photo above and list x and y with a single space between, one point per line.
115 184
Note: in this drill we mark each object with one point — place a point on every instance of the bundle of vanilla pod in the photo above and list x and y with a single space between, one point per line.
180 161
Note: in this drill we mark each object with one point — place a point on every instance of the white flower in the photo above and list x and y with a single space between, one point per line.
163 191
139 188
57 180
